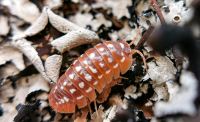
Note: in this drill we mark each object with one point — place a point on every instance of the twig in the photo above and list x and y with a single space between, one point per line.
144 37
158 11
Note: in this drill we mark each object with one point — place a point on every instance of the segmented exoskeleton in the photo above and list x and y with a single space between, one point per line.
97 69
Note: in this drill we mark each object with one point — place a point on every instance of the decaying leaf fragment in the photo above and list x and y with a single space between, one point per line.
162 70
182 100
74 37
52 64
4 25
24 46
9 53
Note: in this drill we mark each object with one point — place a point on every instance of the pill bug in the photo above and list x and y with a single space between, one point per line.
97 68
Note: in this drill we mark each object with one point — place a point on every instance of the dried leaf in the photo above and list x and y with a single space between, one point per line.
9 53
182 101
74 39
4 25
24 46
52 67
162 70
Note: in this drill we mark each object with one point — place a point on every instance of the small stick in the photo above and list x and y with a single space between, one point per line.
144 37
95 105
154 3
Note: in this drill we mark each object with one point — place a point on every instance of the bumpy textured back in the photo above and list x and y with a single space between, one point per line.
93 70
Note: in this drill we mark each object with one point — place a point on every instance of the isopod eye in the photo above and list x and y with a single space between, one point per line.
125 47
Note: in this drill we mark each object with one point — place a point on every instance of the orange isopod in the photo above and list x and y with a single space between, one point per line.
97 69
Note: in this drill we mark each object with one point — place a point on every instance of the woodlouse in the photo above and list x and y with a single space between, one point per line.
97 69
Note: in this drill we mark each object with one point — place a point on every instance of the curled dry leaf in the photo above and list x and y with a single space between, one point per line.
182 100
60 23
9 53
75 36
39 24
161 70
74 39
24 46
52 66
4 25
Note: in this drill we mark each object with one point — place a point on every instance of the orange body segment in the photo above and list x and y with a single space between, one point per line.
97 68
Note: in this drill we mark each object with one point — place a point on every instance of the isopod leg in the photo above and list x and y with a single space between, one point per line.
106 91
104 95
142 56
82 118
95 105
